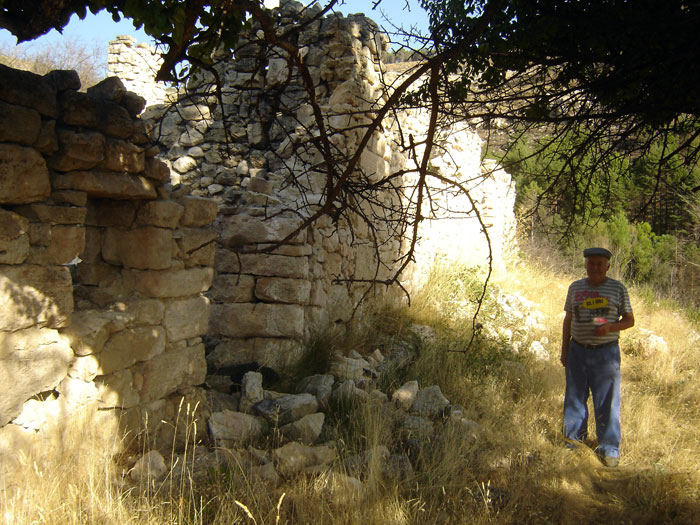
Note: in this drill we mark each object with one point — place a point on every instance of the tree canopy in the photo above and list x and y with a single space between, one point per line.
632 57
593 81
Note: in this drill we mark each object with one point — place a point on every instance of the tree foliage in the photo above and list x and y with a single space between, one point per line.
649 221
606 81
630 57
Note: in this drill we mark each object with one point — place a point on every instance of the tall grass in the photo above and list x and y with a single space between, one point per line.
71 479
515 470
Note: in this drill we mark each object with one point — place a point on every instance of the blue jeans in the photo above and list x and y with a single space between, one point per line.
597 370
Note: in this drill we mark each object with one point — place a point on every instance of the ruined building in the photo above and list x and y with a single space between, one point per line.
138 247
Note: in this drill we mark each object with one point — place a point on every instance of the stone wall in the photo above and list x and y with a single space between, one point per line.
136 64
262 175
453 233
265 304
102 273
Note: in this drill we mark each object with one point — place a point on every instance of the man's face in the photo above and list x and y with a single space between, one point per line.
596 268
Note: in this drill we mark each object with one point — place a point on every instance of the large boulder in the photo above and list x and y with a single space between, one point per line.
29 90
186 318
251 391
78 150
430 402
294 457
145 248
130 346
239 230
26 124
305 430
14 241
106 184
320 385
405 395
258 320
170 371
169 283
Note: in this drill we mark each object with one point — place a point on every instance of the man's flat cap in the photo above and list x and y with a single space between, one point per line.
589 252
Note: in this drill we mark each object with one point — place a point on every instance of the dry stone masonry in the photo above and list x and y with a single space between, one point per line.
263 176
132 239
136 64
102 274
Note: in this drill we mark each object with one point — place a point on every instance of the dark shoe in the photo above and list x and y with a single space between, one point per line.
611 462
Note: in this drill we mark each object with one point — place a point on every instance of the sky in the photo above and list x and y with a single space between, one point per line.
93 31
100 29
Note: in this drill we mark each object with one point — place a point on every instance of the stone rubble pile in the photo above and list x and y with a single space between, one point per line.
517 323
513 321
646 343
418 416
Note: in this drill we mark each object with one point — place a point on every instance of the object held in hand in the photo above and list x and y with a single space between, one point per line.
599 321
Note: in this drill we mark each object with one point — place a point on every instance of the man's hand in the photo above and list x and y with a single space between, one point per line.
603 329
627 321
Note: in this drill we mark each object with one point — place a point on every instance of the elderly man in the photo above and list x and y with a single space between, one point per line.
597 309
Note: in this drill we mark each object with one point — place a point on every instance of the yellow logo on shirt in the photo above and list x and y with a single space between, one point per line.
595 302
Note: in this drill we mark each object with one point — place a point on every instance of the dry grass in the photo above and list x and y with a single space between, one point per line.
70 480
517 471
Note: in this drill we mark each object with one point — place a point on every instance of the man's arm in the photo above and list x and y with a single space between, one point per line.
565 337
627 321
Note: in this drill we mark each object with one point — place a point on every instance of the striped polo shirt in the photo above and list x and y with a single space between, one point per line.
590 305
